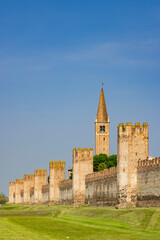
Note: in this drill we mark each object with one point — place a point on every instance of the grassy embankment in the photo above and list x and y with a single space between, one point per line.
85 223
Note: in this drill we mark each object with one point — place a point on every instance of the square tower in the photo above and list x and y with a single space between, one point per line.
28 184
40 179
82 165
132 146
102 127
57 174
18 189
11 192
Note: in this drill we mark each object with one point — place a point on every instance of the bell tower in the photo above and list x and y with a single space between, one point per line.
102 127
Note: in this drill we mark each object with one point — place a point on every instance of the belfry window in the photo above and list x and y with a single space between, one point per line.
102 128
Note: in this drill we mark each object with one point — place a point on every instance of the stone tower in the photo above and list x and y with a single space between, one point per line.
82 165
40 179
57 174
102 127
132 145
28 184
11 192
18 190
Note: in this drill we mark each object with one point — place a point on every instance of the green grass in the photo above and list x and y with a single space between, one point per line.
65 222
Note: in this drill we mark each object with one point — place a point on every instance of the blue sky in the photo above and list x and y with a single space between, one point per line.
54 56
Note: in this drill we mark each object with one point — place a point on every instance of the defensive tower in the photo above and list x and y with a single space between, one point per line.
132 145
102 127
28 184
18 190
40 179
82 165
57 174
11 192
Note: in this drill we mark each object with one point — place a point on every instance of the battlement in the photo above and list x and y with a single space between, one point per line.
82 152
148 165
11 183
65 182
106 172
28 177
40 172
57 165
19 181
128 128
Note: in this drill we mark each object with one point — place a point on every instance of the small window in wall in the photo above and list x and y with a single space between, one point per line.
103 128
103 149
104 139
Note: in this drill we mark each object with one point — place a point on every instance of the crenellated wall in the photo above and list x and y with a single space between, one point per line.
149 183
134 182
101 188
65 192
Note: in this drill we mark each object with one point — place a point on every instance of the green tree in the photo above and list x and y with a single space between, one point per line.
3 198
97 159
71 174
102 166
110 161
48 179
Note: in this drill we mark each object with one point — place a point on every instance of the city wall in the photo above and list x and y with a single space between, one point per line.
101 188
66 192
149 183
134 182
32 196
45 194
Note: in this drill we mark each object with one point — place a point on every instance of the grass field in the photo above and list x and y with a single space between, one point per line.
64 222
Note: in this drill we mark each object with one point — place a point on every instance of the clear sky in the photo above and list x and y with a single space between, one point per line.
54 56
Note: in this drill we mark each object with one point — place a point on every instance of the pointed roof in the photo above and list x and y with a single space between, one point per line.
102 115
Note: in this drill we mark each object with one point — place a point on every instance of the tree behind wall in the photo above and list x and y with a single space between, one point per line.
3 198
102 161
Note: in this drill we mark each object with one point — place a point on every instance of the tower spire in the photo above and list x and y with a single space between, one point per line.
102 115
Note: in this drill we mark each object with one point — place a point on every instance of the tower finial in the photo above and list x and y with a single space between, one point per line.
102 84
